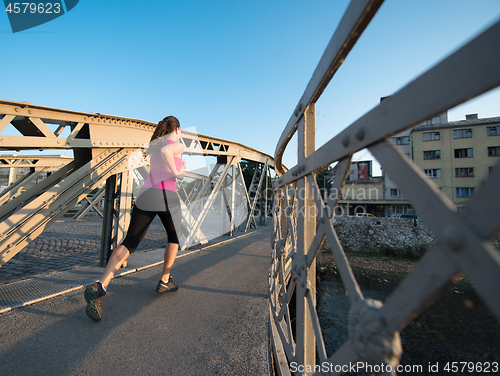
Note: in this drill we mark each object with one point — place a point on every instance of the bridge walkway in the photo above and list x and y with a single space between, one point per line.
217 323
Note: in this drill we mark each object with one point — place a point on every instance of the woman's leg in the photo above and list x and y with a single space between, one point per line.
171 220
170 254
118 257
139 224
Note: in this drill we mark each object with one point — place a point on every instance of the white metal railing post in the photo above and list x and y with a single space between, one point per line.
306 228
233 195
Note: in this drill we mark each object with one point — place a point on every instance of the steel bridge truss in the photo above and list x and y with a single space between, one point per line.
103 147
464 237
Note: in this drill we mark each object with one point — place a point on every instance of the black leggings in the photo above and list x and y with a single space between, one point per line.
141 219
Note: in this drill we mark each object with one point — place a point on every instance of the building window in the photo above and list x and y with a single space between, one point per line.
465 192
462 133
493 131
463 153
433 173
431 136
399 209
395 192
467 172
432 154
494 151
435 120
401 140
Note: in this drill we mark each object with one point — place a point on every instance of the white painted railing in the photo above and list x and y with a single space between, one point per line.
463 247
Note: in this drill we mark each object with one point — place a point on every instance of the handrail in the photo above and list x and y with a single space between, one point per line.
357 17
297 238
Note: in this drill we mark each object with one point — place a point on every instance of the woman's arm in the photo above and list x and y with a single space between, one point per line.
168 152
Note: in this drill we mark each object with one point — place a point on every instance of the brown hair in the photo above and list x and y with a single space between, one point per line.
166 126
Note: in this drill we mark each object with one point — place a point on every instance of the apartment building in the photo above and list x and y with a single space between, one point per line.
457 155
403 140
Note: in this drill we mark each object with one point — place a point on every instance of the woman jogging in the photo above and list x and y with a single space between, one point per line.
158 196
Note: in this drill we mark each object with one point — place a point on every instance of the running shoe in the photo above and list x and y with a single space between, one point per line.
162 286
94 297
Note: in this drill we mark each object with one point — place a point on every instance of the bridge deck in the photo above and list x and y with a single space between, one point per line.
216 323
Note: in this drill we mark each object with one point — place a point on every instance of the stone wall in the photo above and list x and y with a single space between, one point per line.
386 236
391 236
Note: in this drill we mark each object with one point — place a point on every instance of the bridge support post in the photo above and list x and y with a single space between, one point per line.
306 228
108 221
233 195
117 204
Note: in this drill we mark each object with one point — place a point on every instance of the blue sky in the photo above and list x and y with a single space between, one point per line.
233 69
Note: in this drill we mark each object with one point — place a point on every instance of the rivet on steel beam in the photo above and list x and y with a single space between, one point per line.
30 112
454 238
16 109
346 140
360 133
84 119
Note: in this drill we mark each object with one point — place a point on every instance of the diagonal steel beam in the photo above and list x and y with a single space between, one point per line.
21 184
32 213
208 204
91 205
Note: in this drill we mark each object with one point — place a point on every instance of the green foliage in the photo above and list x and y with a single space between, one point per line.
406 253
320 177
248 169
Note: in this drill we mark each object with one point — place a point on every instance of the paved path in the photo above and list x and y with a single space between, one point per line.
69 244
216 324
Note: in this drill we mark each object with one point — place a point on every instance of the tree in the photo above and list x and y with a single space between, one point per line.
320 177
248 169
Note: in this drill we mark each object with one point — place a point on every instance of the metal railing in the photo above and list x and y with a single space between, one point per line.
463 246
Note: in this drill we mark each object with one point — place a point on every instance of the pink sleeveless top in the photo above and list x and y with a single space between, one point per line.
160 176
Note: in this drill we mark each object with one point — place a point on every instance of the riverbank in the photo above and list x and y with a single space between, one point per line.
457 327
